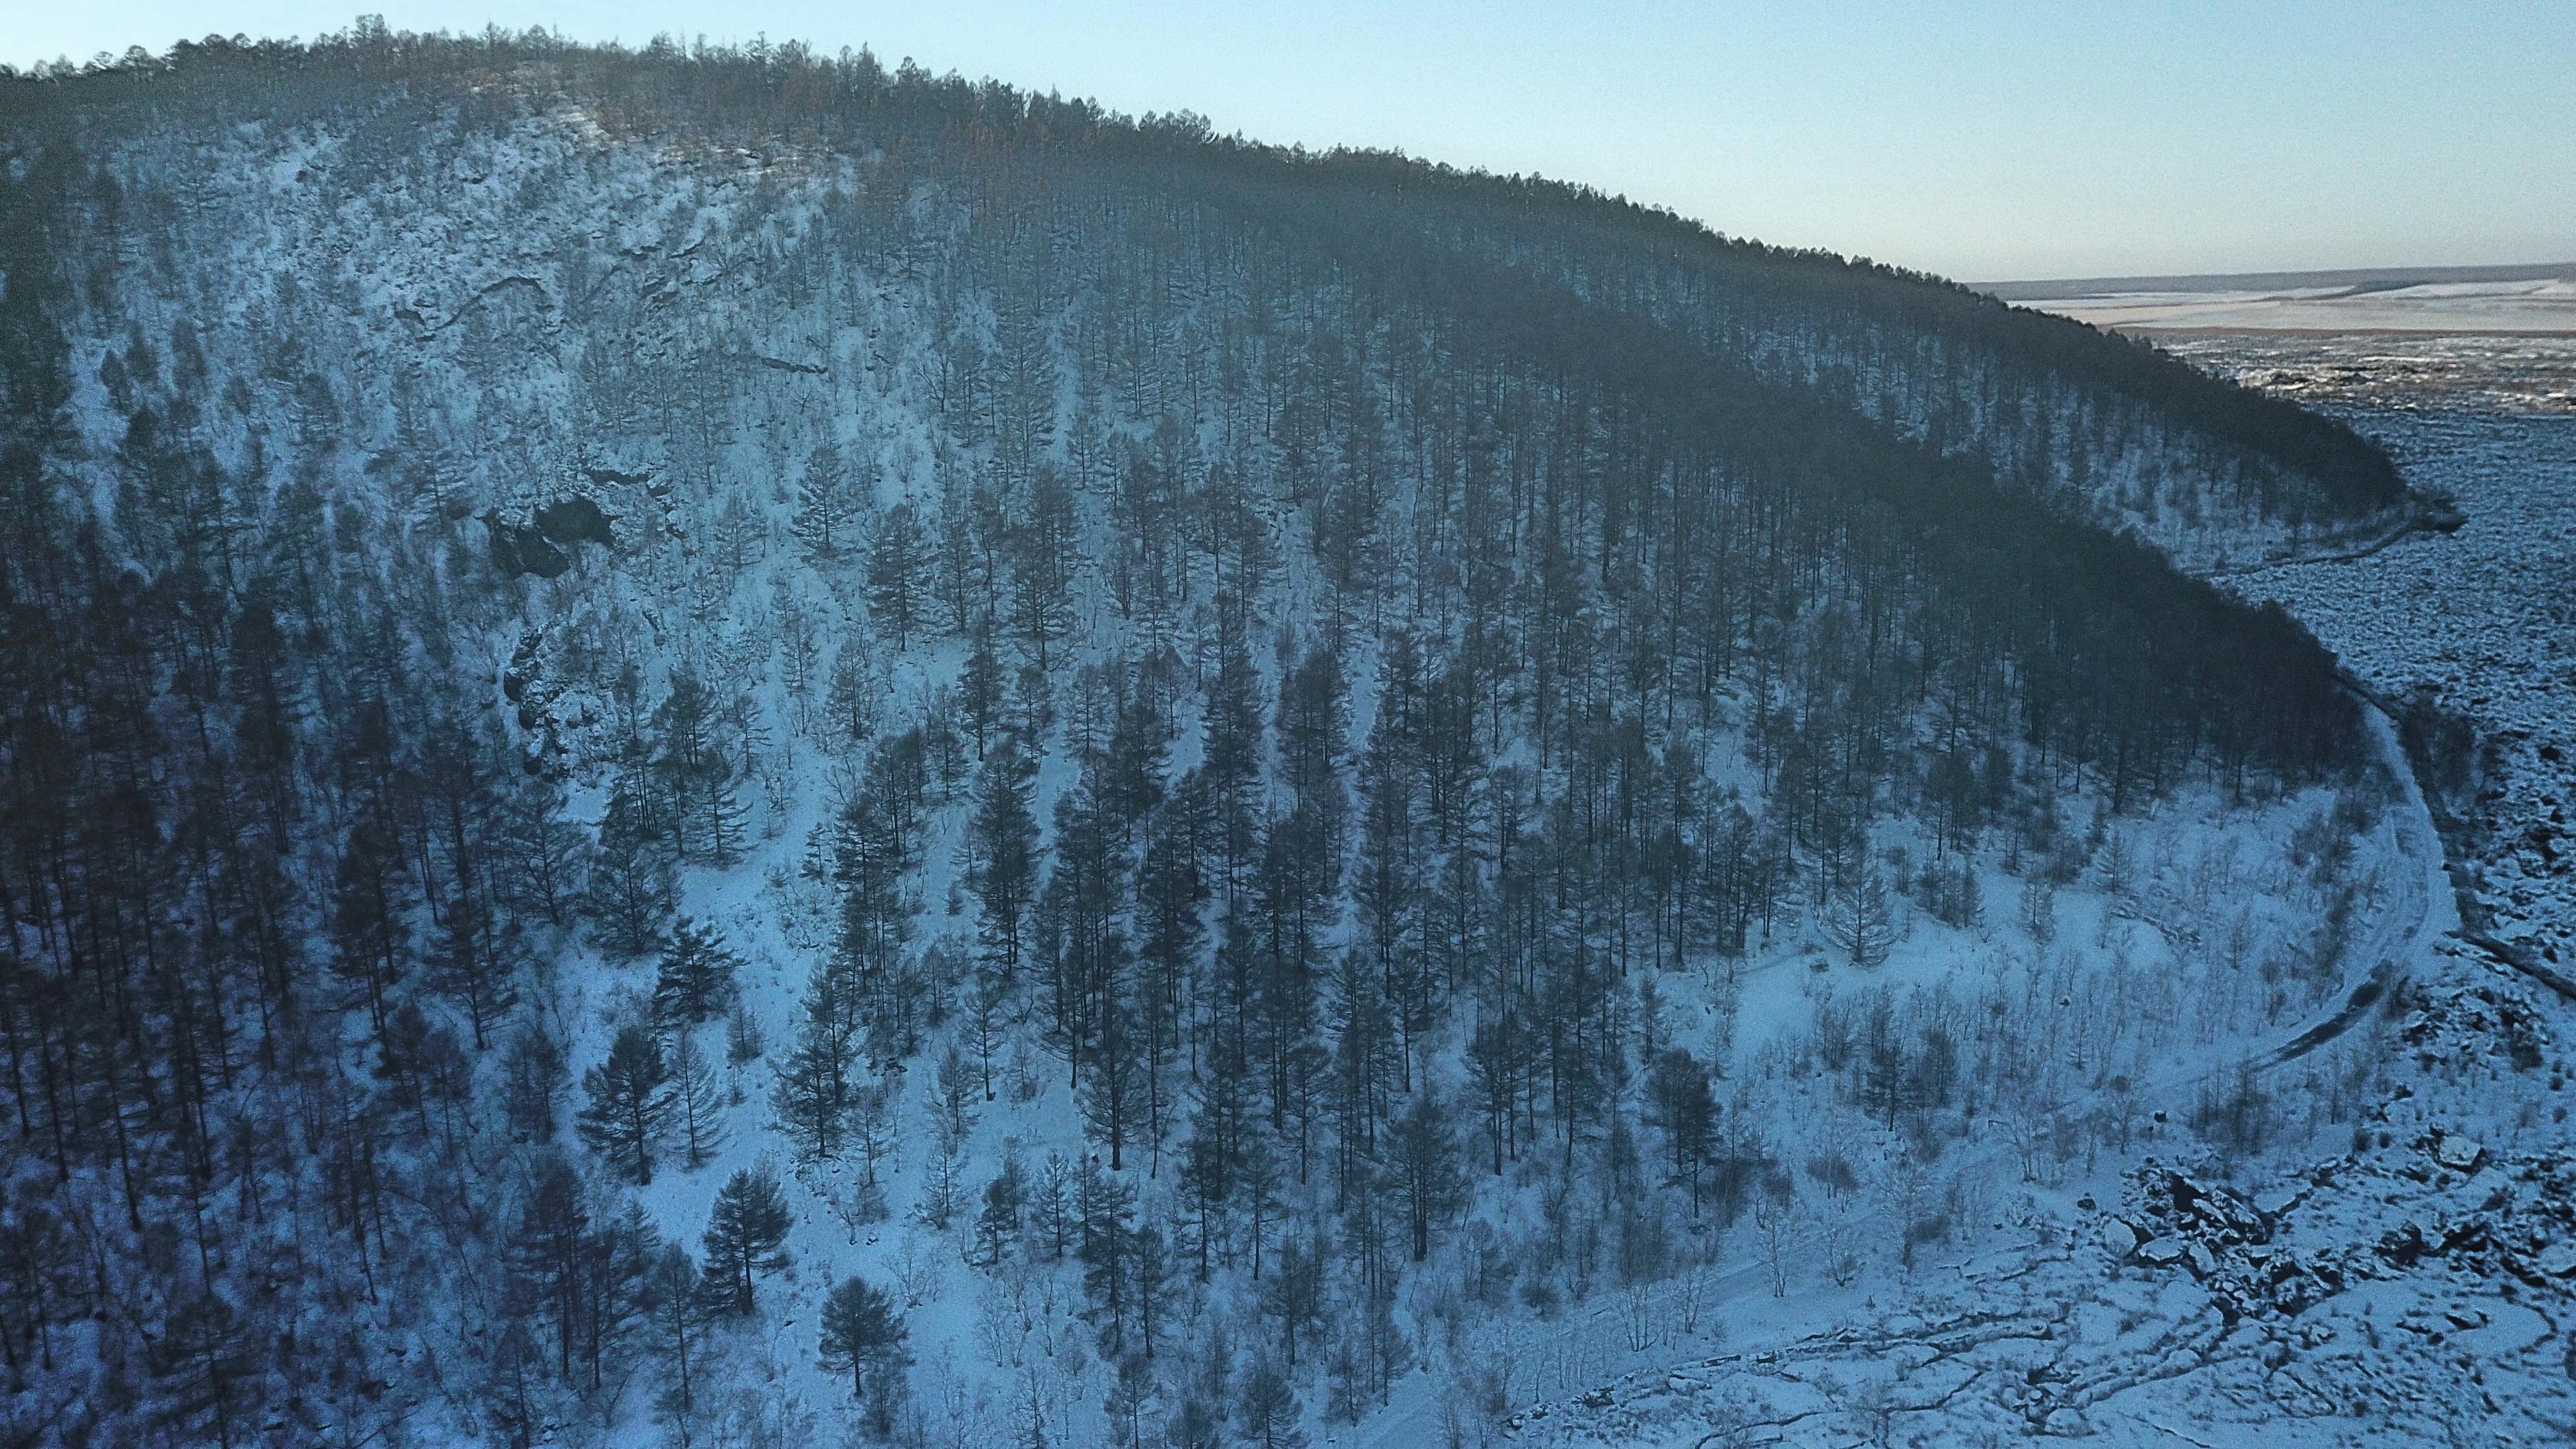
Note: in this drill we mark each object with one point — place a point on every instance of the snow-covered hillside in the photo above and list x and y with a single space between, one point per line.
935 767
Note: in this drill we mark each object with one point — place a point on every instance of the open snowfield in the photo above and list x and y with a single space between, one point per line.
2480 345
2425 302
2433 308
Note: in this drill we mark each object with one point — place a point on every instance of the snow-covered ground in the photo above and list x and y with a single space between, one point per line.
2533 306
2412 1294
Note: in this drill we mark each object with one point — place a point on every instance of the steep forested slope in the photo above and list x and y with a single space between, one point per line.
623 669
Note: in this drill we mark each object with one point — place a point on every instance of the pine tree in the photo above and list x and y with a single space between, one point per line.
899 573
1170 899
1041 566
1859 919
943 1187
616 1288
1005 842
533 1077
955 1101
744 1043
697 974
370 942
1112 1097
697 771
1269 1415
744 1237
634 882
872 848
1426 1166
856 695
1051 1215
1257 1180
871 1127
1294 1294
1231 759
548 1244
1678 1101
824 506
1151 1254
1494 1056
679 1309
1025 380
1106 1206
1363 1065
471 958
987 1016
1194 1425
543 851
862 1331
960 570
980 686
1125 1404
695 1101
997 1225
206 1360
812 1097
630 1102
1207 1174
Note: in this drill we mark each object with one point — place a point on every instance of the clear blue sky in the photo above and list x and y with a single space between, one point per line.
1987 141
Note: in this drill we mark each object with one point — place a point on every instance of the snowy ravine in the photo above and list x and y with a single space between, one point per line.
2411 1281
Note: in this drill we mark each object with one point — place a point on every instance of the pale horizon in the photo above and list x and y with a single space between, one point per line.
1990 143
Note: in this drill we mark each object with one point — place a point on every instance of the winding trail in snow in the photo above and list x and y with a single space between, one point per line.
2401 936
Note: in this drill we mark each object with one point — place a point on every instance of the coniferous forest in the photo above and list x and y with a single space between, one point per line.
732 747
